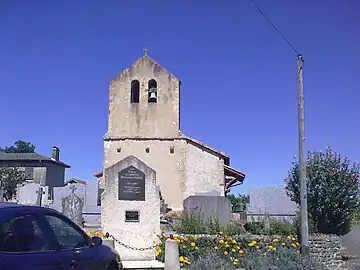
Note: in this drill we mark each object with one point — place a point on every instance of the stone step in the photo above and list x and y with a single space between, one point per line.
142 265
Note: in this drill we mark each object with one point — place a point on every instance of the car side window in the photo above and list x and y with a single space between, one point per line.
23 234
66 234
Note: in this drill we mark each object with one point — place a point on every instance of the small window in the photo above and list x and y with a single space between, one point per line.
172 150
67 236
152 91
147 150
23 234
118 150
135 91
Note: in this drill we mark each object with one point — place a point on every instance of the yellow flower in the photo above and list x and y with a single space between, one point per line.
241 251
195 238
227 245
226 253
237 247
196 248
221 241
233 241
185 239
236 261
270 247
293 245
181 259
297 243
178 240
193 244
251 244
289 237
275 240
233 250
274 248
294 239
183 246
220 233
257 247
216 247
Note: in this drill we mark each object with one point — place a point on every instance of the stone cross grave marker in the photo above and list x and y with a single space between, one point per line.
72 206
130 208
40 194
30 194
1 193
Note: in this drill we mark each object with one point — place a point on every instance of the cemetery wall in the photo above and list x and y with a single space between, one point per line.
325 249
186 171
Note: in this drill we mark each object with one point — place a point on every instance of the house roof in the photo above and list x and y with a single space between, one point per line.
233 177
209 148
74 180
26 157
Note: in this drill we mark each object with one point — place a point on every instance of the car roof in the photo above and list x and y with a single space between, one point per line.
10 206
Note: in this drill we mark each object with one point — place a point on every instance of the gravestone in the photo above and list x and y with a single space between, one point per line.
32 194
72 207
91 210
209 207
130 208
270 202
1 194
61 192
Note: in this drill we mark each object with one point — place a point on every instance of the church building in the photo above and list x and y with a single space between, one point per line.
144 121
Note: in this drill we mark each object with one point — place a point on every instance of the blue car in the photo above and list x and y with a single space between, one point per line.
36 238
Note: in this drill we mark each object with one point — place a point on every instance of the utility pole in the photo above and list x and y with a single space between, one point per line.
302 165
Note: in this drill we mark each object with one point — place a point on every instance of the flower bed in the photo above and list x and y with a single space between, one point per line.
229 248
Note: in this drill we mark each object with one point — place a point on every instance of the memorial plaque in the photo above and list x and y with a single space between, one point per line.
131 216
131 185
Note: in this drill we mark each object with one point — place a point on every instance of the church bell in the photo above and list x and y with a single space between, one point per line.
152 92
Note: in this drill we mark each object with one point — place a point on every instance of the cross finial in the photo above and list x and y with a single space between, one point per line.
72 188
146 51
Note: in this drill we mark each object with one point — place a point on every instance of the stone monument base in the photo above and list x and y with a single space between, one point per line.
139 265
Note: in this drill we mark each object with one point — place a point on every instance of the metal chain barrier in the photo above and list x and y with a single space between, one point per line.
108 235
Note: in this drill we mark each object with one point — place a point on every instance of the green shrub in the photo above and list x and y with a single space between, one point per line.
275 227
283 259
192 223
332 190
212 260
255 227
278 227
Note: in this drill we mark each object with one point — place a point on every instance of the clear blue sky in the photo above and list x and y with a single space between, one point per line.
239 77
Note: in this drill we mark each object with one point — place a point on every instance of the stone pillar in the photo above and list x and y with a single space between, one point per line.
172 255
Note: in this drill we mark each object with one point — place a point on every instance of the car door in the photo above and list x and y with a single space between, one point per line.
74 244
26 244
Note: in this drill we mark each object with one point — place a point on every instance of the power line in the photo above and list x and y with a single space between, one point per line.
274 27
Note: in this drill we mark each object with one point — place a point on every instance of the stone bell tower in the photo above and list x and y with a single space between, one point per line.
144 102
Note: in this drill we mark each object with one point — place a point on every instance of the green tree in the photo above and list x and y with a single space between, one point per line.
19 147
332 190
10 177
238 202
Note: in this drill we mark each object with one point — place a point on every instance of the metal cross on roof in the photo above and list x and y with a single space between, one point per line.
146 51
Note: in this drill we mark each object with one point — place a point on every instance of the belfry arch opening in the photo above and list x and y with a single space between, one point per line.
135 91
152 91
